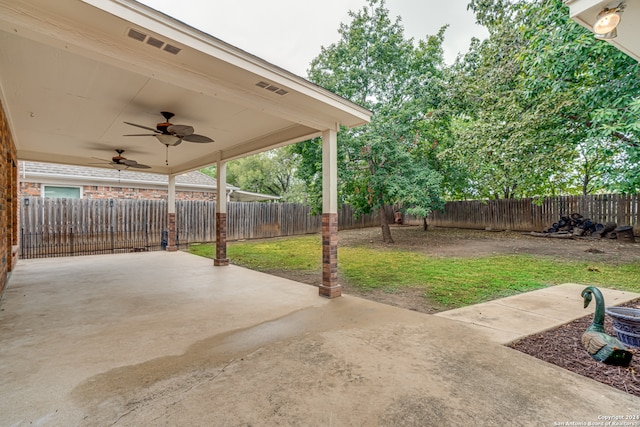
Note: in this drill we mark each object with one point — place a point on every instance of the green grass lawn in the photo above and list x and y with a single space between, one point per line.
452 282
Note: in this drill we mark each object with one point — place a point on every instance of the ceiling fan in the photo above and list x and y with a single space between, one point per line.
119 162
169 134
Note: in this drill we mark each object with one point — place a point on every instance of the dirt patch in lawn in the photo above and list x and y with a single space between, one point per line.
452 242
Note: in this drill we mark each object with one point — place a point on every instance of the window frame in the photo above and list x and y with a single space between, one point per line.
45 186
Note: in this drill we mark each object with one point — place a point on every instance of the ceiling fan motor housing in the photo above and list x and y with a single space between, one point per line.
163 127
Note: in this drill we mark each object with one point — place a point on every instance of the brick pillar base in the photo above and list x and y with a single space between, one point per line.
330 287
171 238
221 240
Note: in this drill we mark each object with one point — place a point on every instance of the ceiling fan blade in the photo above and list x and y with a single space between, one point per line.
141 134
197 138
139 166
143 127
180 130
133 164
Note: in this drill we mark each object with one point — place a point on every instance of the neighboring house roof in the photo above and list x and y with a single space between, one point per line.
53 173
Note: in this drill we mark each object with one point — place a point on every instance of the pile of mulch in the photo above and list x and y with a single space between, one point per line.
562 347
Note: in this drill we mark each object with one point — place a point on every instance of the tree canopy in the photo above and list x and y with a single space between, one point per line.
541 107
271 172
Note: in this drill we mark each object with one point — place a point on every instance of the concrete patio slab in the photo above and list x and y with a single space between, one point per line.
508 319
167 339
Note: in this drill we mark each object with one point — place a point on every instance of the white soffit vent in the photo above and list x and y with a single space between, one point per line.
152 41
272 88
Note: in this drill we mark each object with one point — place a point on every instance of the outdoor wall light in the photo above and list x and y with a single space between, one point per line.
608 36
607 21
26 202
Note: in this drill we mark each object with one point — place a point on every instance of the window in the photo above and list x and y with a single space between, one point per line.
61 192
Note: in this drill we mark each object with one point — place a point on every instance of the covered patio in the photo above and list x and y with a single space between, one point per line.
165 339
114 83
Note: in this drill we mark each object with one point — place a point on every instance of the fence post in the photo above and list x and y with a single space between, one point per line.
112 246
71 240
21 242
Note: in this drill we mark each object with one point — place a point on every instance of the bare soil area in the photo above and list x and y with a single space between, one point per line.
560 346
452 242
455 242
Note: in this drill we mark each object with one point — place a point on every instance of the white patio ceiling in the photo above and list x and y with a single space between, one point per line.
628 40
71 75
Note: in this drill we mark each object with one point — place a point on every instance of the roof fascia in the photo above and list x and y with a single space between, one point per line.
47 178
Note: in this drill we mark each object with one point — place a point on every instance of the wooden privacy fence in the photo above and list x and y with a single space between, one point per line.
64 227
536 214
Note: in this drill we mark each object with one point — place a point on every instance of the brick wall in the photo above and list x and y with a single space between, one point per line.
8 199
33 189
29 189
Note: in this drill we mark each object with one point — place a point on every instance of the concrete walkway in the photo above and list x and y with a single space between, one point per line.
167 339
507 319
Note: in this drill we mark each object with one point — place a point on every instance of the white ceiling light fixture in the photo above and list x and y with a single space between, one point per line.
607 22
168 140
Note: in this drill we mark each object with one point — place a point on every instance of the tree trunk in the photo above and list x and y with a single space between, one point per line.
424 224
585 184
386 231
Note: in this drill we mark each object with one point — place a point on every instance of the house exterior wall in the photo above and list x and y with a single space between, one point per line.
8 200
34 189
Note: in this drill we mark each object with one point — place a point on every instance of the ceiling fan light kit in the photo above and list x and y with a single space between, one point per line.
168 140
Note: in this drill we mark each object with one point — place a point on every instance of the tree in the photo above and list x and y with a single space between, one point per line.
533 100
601 89
271 172
386 162
504 134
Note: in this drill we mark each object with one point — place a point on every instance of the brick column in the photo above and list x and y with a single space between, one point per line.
221 240
330 287
171 239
